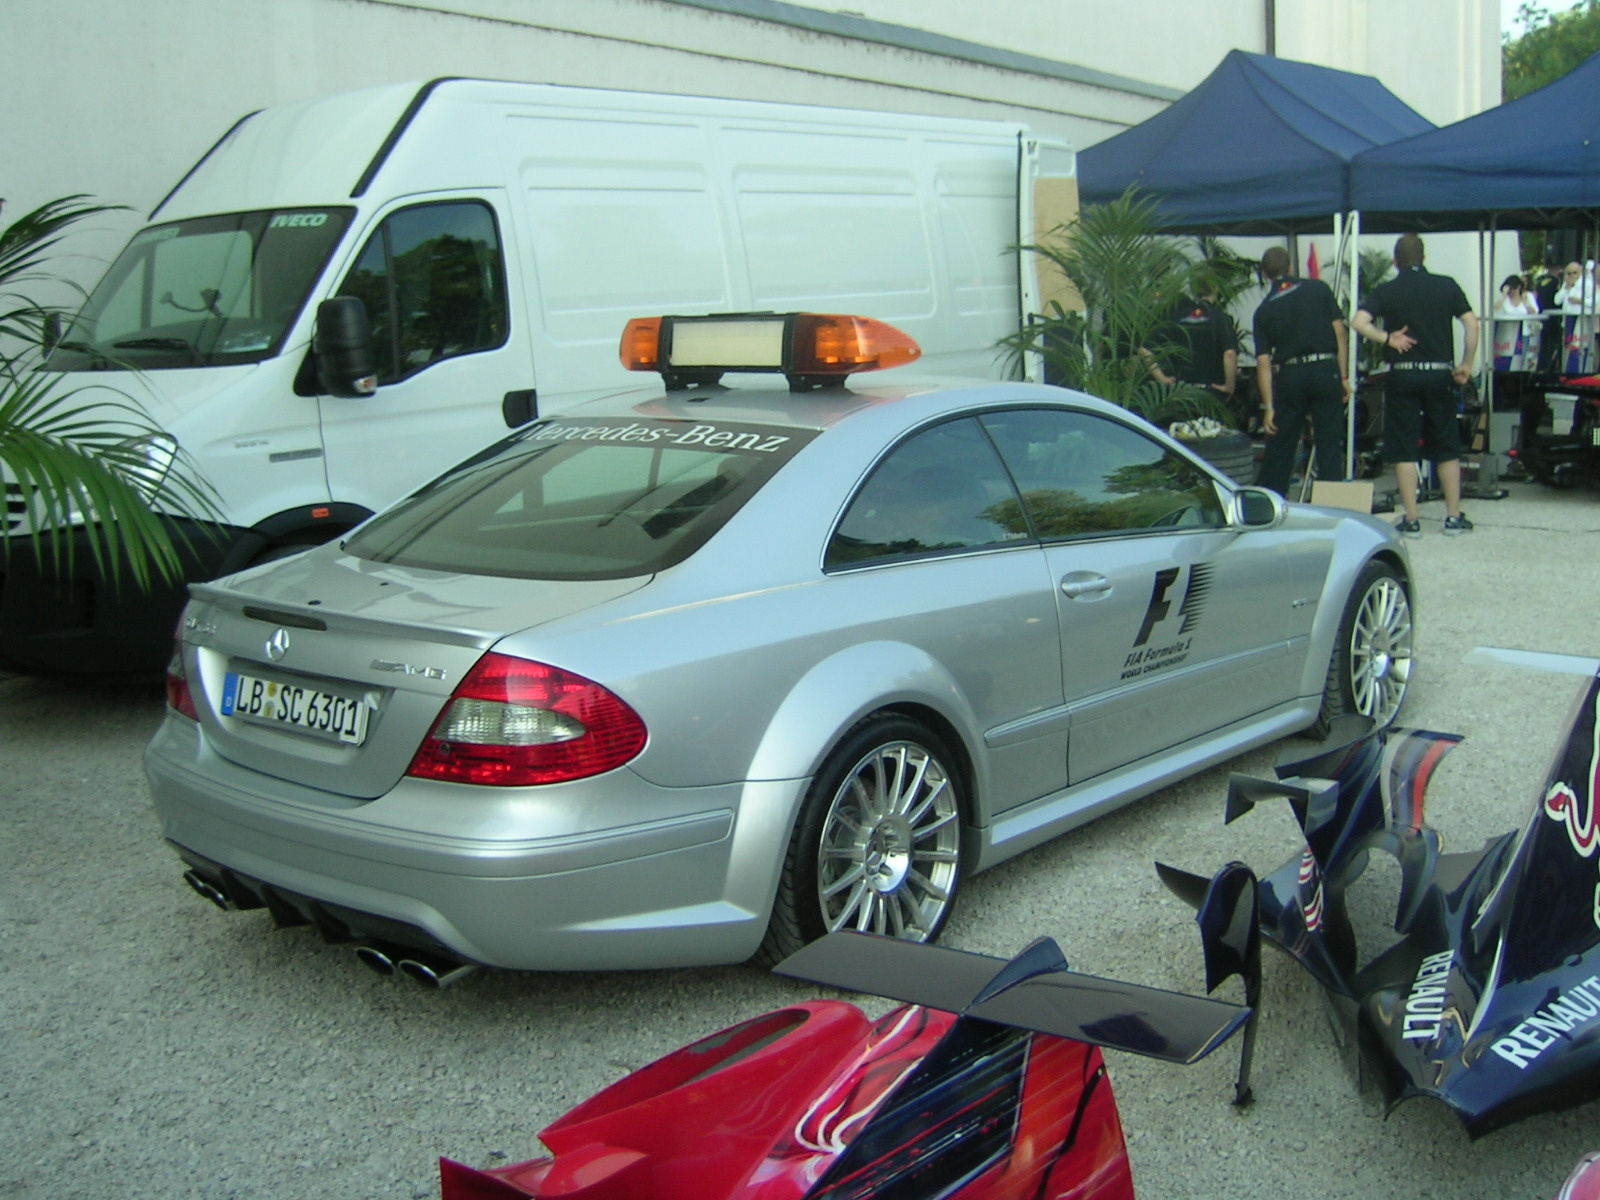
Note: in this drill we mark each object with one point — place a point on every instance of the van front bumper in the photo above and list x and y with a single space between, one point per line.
73 619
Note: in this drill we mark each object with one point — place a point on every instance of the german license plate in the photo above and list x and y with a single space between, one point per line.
295 706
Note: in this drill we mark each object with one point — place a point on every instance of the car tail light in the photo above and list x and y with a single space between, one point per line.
514 723
179 698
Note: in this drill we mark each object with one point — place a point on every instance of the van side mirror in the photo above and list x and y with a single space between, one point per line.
342 346
1257 507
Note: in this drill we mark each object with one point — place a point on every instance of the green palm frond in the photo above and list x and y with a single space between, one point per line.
1129 278
67 462
25 249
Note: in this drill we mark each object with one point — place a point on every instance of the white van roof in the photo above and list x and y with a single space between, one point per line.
420 137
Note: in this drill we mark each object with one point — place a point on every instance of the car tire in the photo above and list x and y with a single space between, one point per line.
1233 454
1371 665
879 842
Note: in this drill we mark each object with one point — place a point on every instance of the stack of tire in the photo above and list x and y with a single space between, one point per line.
1232 453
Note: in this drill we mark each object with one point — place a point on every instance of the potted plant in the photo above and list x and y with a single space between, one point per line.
1130 278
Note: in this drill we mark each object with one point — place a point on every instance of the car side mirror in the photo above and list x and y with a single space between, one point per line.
342 346
1257 508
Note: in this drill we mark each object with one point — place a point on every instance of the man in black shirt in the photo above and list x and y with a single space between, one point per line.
1419 415
1300 331
1198 346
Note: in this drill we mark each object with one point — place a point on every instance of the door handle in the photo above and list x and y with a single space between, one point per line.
1085 583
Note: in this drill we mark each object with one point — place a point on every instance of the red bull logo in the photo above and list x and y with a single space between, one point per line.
1576 811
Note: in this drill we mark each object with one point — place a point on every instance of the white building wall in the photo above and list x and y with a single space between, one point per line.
1442 57
119 99
1176 43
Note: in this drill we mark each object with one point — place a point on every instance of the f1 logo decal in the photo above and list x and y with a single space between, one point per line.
1194 598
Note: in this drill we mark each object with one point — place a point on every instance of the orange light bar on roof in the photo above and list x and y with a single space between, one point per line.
831 345
641 344
811 349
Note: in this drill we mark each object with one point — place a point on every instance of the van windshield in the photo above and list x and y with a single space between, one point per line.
582 499
203 292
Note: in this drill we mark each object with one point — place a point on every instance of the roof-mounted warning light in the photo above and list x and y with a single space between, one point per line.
811 350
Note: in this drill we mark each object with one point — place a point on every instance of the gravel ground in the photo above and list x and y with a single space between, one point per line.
154 1047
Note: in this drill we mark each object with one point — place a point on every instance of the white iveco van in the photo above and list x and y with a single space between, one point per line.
496 236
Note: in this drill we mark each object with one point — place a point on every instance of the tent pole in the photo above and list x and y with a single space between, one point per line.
1351 233
1487 485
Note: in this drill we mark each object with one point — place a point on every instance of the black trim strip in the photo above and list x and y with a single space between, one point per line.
199 163
396 134
294 620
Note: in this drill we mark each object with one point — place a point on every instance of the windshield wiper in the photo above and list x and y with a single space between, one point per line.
97 357
159 343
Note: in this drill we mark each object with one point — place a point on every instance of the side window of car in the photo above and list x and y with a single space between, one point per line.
941 490
433 282
1084 475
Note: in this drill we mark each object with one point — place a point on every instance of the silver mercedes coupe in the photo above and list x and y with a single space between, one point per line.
700 673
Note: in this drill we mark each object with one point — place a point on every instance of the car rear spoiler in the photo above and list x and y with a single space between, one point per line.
1034 991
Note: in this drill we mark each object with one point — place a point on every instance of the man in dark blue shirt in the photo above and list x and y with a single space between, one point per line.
1300 331
1419 414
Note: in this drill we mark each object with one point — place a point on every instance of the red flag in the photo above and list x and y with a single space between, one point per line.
1313 269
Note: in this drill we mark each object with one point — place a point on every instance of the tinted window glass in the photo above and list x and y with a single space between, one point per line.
582 499
941 490
210 291
433 283
1083 475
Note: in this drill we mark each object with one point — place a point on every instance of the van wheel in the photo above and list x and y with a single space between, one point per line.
878 846
1371 665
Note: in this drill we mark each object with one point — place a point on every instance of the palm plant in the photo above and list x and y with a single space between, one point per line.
1129 278
65 461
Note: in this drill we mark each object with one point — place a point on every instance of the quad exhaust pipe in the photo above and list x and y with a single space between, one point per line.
209 890
380 960
435 971
425 970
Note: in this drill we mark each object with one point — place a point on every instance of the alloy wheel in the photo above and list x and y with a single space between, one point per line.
1380 650
890 849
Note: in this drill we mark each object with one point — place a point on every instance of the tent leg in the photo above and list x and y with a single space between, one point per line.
1487 486
1348 237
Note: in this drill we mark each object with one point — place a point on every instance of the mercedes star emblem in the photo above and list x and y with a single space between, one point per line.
278 645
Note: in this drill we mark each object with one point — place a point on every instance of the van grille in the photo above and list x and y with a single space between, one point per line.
16 510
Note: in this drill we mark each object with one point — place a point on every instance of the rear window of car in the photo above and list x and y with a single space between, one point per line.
582 499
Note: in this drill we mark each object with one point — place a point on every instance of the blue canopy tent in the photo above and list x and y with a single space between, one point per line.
1532 163
1262 146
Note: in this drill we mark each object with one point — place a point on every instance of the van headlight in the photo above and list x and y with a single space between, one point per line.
143 462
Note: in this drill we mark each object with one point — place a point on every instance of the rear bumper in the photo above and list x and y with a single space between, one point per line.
688 889
76 622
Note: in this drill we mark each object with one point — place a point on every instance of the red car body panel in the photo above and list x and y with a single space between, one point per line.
762 1110
988 1083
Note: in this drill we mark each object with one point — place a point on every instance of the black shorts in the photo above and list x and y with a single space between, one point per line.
1419 417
